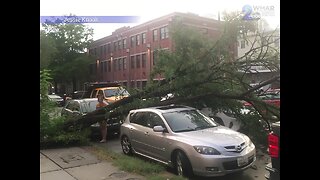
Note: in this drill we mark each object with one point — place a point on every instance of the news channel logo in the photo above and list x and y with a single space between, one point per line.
255 12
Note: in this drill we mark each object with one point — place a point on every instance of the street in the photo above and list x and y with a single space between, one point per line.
256 172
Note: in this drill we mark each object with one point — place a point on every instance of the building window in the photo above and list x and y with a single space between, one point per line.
95 51
132 84
139 84
132 62
109 48
119 44
144 84
115 46
155 35
101 67
132 41
92 68
154 57
109 66
124 63
101 50
119 64
137 40
105 66
124 42
105 49
138 61
144 38
164 32
114 65
242 46
144 60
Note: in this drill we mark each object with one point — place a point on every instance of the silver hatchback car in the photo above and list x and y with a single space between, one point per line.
185 139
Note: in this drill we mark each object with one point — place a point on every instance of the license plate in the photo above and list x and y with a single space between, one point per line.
242 160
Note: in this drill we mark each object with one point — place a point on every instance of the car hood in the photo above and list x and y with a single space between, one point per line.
220 136
113 99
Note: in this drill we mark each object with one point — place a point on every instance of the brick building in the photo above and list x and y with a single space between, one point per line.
127 55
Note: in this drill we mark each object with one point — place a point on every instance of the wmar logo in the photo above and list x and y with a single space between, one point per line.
249 14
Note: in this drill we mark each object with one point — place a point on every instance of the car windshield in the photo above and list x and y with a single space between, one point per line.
188 120
116 92
88 106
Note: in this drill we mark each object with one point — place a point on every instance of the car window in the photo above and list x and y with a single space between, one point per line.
115 92
89 106
94 93
153 119
187 120
139 118
70 105
76 107
73 106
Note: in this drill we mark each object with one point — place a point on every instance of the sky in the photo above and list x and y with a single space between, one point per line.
151 9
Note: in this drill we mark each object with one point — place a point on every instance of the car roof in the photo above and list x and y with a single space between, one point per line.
104 88
85 100
164 109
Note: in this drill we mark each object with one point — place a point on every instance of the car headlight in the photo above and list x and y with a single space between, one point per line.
206 150
249 142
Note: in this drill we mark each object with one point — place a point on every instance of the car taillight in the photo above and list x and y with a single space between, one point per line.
273 141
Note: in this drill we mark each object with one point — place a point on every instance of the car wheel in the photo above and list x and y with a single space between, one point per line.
182 165
126 145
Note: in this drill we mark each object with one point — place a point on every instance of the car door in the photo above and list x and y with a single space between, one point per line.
157 143
138 131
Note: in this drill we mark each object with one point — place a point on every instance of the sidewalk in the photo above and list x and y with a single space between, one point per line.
76 163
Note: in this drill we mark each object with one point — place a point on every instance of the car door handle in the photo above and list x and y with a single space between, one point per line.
146 133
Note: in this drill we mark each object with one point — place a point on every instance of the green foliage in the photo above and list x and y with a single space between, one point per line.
255 128
129 164
132 164
47 49
62 49
44 82
51 132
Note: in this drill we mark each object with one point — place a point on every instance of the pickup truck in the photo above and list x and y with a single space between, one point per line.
111 92
273 168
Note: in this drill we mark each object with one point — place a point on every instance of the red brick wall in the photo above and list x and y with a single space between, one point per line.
142 73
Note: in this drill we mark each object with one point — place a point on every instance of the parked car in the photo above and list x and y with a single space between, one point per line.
187 140
226 117
57 99
271 96
273 168
110 94
76 108
78 94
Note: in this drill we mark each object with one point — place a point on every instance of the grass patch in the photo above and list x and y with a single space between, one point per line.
133 164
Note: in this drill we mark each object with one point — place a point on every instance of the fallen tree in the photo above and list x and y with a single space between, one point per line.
201 73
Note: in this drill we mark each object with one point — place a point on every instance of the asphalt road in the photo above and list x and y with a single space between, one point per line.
256 172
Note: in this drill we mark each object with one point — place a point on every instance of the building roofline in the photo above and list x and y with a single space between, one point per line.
189 15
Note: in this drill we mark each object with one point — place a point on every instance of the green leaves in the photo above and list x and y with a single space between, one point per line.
62 49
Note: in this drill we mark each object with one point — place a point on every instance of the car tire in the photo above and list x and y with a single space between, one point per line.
182 165
126 145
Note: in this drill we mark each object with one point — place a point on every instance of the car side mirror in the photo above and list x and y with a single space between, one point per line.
231 125
158 129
